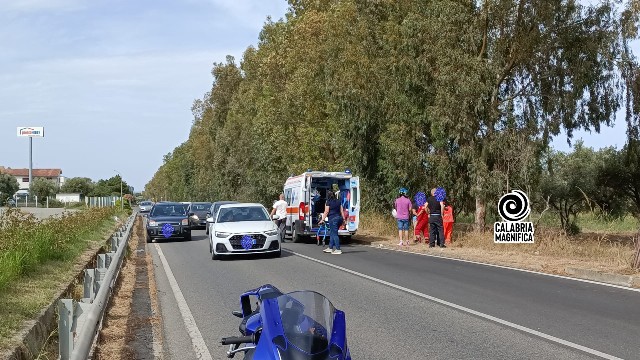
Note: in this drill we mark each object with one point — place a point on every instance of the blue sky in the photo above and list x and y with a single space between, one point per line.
113 81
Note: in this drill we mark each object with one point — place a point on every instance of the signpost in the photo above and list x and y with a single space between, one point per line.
30 132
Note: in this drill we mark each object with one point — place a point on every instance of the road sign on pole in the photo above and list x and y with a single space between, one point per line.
30 132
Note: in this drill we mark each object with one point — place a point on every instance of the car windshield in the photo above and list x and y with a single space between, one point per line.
200 207
169 210
145 203
307 321
244 213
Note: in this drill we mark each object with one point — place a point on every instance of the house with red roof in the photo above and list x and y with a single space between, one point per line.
22 175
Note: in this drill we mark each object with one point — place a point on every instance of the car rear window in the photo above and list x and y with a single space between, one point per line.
169 210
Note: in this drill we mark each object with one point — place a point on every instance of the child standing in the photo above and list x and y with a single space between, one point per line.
422 225
421 230
447 219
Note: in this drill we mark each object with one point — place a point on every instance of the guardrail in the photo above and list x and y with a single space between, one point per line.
79 323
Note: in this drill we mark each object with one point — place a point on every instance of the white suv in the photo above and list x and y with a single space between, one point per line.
243 229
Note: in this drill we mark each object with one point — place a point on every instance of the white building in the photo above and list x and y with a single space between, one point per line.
68 198
22 175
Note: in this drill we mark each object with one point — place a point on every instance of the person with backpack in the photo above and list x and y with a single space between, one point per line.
403 210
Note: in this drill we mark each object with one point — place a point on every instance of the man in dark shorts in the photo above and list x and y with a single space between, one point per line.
436 227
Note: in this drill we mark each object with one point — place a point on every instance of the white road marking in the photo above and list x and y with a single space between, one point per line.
467 310
509 268
199 346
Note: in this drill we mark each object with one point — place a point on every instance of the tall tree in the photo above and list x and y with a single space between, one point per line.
43 188
8 186
82 185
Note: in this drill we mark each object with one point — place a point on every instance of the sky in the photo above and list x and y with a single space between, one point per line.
113 81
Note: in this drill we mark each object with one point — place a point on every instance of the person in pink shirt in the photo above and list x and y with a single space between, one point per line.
403 211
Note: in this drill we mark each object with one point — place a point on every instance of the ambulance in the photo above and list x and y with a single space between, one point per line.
306 195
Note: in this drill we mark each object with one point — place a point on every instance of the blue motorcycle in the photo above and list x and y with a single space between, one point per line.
301 325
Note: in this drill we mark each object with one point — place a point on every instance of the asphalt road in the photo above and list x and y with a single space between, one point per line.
395 320
42 213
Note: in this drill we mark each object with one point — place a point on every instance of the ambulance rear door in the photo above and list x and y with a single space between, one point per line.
354 204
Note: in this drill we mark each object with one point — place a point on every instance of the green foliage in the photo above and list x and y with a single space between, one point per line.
127 206
8 186
43 188
26 243
53 203
465 95
82 185
108 187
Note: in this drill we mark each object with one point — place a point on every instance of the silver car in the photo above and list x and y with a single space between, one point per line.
145 206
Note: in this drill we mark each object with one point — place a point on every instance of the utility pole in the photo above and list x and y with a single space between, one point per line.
121 198
30 132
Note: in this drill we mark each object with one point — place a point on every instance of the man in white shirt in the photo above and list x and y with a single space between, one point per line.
280 210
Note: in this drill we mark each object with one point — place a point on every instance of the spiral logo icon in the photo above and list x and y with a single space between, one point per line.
514 206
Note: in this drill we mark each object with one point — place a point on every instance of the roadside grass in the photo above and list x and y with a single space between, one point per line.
38 258
606 245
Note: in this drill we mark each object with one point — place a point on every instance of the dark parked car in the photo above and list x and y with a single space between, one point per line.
168 220
213 210
198 214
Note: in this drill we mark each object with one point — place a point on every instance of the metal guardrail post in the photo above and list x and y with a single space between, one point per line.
114 243
89 279
102 261
65 324
84 343
84 319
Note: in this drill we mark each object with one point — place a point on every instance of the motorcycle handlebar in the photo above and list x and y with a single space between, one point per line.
237 340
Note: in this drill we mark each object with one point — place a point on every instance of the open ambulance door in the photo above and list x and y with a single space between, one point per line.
354 204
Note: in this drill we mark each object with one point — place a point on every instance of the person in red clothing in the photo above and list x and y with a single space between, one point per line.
447 219
421 230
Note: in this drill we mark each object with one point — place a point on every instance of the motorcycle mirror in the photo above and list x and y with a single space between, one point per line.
238 313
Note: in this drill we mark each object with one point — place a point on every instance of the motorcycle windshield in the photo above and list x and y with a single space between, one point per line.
307 320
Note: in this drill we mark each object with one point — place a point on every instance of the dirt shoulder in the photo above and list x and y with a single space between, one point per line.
131 329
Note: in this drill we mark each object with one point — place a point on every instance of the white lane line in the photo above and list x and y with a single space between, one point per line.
199 346
508 268
467 310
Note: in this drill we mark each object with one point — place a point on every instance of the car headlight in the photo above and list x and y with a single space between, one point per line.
271 233
185 222
153 223
222 234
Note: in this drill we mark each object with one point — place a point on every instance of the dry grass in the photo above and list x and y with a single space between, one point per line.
29 294
117 338
552 251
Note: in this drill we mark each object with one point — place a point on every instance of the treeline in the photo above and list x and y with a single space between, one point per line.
44 188
464 95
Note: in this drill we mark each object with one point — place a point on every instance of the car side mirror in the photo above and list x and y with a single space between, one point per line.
191 214
210 219
238 314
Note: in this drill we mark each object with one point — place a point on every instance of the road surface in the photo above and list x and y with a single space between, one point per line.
42 213
399 305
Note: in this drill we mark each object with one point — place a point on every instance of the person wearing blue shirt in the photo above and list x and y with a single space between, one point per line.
335 212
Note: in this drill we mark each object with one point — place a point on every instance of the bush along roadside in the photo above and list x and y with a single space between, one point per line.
26 242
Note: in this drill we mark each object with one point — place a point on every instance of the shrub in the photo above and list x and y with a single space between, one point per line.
26 242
